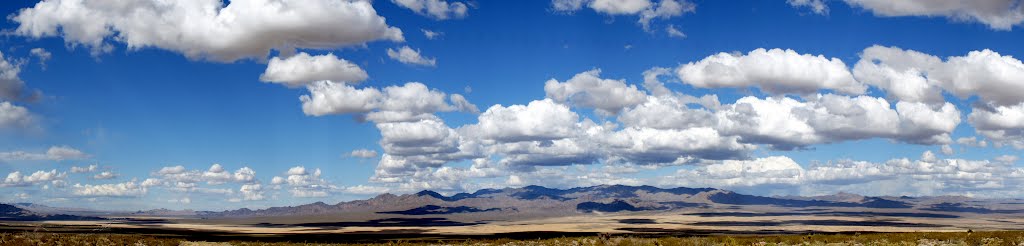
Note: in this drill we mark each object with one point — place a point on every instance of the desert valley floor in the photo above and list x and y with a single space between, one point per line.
538 212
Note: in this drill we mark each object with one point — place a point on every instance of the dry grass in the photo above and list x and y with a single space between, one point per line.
73 239
1015 238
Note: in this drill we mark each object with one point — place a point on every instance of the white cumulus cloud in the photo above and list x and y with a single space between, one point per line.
15 117
437 9
775 71
105 175
431 35
538 120
302 69
207 29
11 85
411 101
588 89
996 14
364 153
126 189
39 177
411 56
85 169
645 10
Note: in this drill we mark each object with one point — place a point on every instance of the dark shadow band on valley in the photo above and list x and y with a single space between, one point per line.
434 209
638 221
830 213
964 208
389 222
815 223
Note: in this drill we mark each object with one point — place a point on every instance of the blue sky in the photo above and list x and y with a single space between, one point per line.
136 104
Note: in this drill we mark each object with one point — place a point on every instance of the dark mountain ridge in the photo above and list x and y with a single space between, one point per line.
539 199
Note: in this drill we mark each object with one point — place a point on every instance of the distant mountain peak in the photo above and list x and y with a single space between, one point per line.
384 196
430 193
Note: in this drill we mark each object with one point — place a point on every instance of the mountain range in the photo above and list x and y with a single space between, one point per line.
538 201
20 213
543 201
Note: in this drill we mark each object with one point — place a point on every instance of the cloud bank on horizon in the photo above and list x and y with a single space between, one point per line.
740 120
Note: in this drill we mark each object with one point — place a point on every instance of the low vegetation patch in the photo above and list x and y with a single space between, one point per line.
74 239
